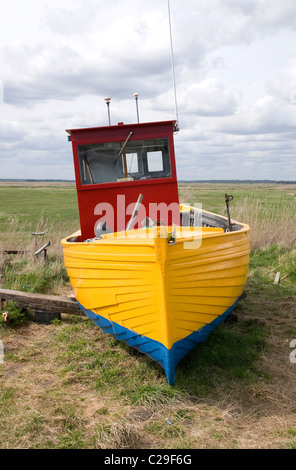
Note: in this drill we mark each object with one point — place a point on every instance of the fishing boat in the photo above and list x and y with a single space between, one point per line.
150 271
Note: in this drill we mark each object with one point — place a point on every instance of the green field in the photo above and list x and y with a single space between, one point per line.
211 195
57 203
67 385
29 205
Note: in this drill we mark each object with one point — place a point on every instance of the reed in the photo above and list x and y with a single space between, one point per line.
269 221
270 211
27 272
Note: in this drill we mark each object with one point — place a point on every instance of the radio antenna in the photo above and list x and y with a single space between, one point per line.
173 68
107 100
136 95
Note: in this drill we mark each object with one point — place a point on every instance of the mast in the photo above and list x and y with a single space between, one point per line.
173 68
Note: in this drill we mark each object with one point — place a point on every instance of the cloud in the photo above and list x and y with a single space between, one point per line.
267 116
284 87
235 74
71 68
208 98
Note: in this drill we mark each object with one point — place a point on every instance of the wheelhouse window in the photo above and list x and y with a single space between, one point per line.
124 161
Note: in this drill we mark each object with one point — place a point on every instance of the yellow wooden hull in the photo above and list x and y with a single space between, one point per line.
157 296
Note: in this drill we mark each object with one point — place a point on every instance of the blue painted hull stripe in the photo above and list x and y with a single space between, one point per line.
167 358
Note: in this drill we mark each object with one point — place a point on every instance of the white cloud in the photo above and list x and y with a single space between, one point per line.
284 86
235 71
208 98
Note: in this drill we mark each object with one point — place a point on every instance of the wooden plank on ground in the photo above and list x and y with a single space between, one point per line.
12 252
52 303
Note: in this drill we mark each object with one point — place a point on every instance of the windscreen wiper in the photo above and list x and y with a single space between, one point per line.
122 149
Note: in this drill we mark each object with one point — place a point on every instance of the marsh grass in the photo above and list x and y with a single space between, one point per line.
270 211
30 273
118 434
271 222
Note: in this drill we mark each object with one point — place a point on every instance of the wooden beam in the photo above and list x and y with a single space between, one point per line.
53 303
13 252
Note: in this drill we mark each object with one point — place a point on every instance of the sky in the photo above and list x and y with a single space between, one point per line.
235 82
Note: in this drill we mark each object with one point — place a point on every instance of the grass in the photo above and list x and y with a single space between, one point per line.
28 205
270 210
67 385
